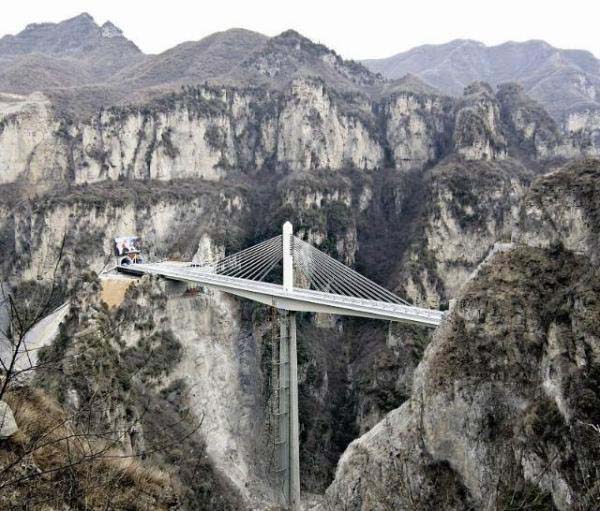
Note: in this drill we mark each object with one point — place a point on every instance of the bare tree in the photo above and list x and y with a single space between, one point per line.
66 455
21 318
593 427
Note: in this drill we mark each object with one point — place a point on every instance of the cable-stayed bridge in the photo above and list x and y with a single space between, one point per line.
311 281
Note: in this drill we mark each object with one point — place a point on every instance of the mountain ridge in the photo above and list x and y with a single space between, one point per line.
65 37
564 81
74 52
85 66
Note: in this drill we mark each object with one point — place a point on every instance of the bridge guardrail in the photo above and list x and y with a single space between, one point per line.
368 306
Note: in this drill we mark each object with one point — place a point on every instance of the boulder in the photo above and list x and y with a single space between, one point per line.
8 425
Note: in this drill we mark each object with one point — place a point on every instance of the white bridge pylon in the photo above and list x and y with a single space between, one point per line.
311 281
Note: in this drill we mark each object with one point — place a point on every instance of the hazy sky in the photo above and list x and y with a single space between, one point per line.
355 29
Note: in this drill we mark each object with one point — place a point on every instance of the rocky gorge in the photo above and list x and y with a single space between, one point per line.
414 187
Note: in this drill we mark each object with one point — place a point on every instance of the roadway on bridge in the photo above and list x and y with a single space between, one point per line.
297 299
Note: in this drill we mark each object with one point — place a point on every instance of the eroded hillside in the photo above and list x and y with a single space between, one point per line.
502 402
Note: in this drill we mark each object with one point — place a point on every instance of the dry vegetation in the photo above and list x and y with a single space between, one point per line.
52 464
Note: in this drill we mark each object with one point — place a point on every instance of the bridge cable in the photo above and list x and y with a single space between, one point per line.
341 279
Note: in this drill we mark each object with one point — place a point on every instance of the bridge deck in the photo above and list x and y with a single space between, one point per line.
301 300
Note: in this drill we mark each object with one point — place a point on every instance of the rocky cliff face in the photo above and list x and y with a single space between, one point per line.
583 129
166 376
75 229
500 403
201 133
221 367
468 207
314 133
515 363
563 208
532 129
29 150
418 128
212 133
477 131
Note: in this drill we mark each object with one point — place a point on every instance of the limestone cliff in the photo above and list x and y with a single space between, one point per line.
564 208
29 150
163 376
583 131
501 402
219 132
418 128
532 129
201 133
478 133
466 208
314 133
78 225
504 403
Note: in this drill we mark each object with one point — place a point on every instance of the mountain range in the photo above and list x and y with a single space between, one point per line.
562 80
74 52
83 65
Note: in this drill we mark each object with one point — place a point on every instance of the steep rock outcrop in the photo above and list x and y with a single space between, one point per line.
313 133
200 133
535 133
582 129
219 132
468 206
501 402
478 131
221 367
8 425
325 209
164 377
78 226
383 361
417 128
563 207
29 150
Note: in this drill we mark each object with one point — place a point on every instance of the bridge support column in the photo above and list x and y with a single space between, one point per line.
289 442
294 421
289 428
284 409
